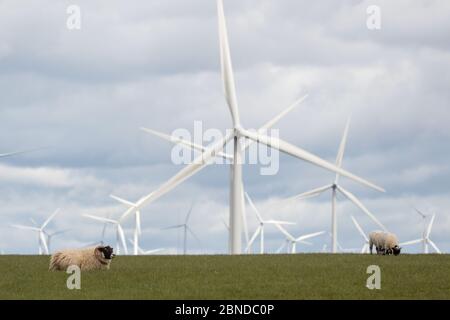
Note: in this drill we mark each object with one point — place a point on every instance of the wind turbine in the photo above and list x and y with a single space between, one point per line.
146 252
290 239
425 238
120 235
236 188
185 228
335 187
260 230
42 241
365 248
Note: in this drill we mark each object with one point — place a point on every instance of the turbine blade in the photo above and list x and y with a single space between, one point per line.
430 225
253 207
303 155
279 222
100 218
311 193
253 238
341 150
311 235
287 234
9 154
434 246
153 251
407 243
122 238
192 233
123 201
189 213
358 203
49 219
227 69
18 226
423 215
173 227
361 231
199 163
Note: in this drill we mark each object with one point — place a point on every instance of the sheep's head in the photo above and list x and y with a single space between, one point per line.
396 250
107 252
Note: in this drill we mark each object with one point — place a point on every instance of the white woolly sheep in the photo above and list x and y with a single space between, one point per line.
389 243
376 239
94 258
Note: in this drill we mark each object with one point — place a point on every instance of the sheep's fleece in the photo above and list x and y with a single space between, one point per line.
93 258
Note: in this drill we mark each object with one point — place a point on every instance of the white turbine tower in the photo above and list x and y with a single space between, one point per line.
365 248
42 235
236 188
335 187
186 229
425 240
260 230
145 252
290 239
120 235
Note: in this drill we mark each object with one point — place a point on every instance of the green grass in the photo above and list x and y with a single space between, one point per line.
301 276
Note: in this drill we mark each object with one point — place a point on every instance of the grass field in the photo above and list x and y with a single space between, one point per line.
301 276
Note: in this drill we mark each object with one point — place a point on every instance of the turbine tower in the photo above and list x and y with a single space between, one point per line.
236 186
335 187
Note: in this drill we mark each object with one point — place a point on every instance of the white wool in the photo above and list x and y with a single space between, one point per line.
86 259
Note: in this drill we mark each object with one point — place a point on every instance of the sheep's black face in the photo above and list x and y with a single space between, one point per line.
396 250
107 252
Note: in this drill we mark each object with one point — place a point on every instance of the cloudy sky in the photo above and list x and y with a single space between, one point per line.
85 93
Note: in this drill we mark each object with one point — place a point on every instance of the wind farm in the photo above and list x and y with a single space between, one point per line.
210 223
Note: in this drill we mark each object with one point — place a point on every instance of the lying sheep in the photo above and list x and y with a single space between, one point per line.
390 245
375 239
94 258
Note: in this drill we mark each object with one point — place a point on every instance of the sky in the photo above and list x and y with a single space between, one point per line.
84 93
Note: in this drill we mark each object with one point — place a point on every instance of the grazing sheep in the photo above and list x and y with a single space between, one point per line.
390 244
94 258
376 239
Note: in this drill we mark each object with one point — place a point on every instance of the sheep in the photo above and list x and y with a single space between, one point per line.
93 258
375 239
389 243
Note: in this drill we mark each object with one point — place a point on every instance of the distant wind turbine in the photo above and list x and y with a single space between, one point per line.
146 252
42 236
260 230
425 240
292 241
185 228
335 187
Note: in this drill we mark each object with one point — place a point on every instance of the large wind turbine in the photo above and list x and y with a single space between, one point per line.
425 238
260 230
290 239
120 235
236 188
186 229
336 187
42 241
